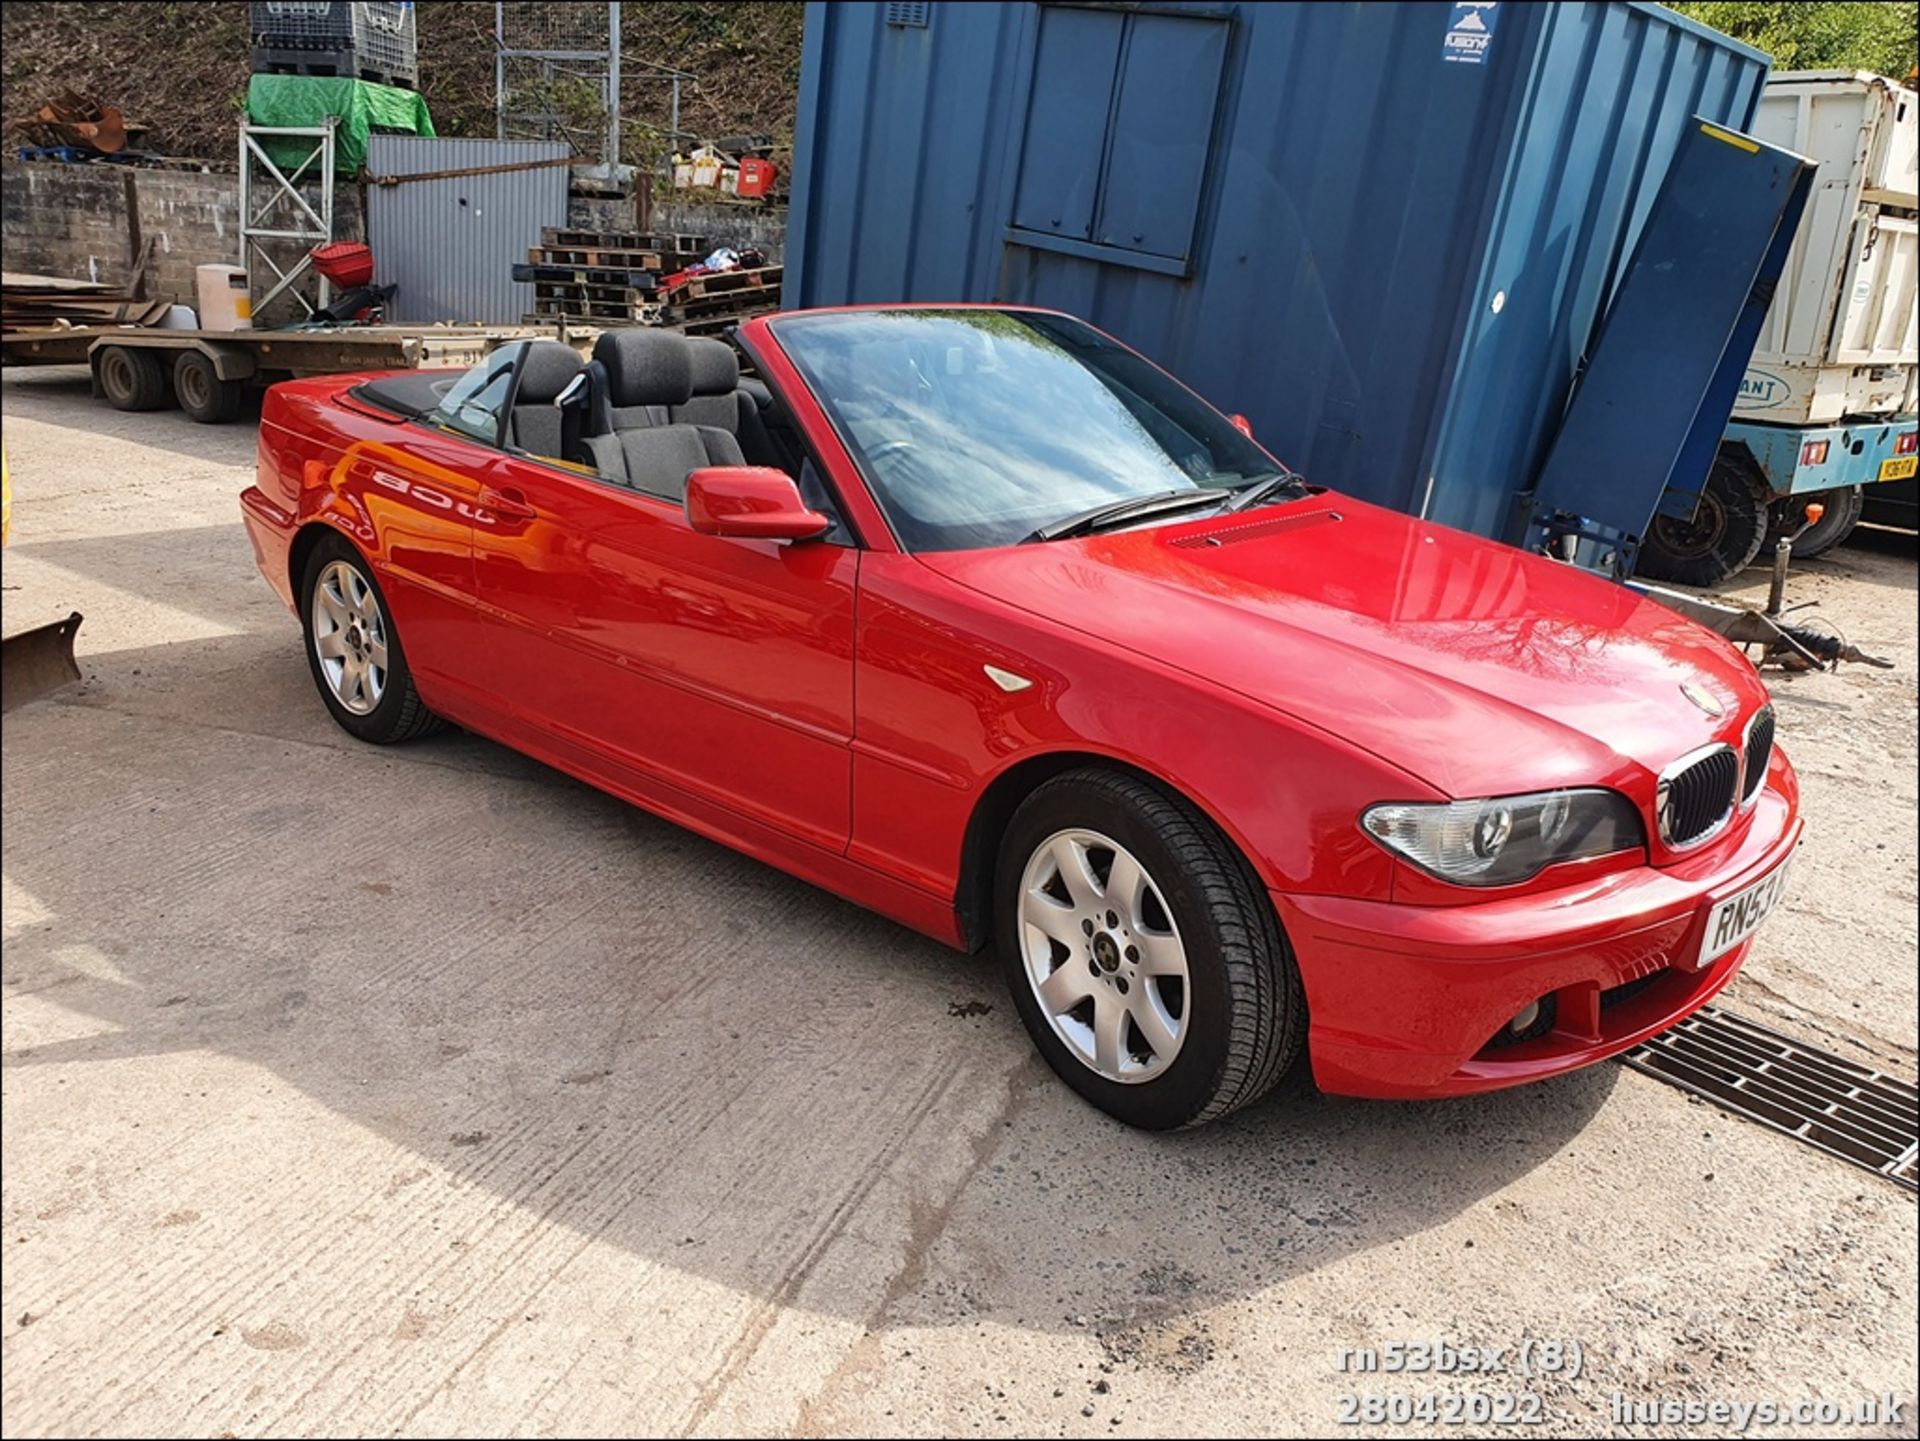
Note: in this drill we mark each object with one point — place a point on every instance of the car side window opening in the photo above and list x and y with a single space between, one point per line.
476 404
977 427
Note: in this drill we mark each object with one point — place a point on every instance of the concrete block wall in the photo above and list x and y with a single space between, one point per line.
72 220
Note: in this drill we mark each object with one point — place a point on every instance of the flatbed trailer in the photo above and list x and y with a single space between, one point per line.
207 372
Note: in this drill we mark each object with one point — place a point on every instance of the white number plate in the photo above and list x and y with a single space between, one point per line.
1737 917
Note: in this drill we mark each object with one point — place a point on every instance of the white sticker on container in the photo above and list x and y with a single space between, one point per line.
1470 33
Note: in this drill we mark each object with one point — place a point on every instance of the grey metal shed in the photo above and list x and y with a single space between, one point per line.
450 243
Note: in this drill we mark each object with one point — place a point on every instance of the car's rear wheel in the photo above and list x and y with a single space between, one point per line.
354 651
1142 953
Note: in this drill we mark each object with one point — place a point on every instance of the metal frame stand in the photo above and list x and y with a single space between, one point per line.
263 221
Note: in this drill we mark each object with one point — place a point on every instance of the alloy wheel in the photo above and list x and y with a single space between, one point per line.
350 637
1103 956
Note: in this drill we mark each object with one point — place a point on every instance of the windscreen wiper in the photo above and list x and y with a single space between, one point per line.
1135 508
1262 489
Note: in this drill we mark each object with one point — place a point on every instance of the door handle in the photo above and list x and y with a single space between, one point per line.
506 503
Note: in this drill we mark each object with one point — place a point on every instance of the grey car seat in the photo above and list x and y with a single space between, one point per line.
534 424
646 373
720 399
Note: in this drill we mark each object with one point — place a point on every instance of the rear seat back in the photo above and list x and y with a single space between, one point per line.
716 380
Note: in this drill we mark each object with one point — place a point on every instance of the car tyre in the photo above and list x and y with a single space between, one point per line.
354 650
133 379
202 394
1238 1011
1843 510
1724 534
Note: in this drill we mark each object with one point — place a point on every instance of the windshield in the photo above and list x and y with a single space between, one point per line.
978 428
477 402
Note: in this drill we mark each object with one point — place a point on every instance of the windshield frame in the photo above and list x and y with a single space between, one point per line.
780 327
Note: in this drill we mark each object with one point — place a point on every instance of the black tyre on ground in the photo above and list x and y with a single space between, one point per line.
1724 534
133 379
1842 509
354 650
1114 898
202 393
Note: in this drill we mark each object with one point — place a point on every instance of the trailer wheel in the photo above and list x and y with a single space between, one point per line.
133 379
1843 510
202 393
1724 535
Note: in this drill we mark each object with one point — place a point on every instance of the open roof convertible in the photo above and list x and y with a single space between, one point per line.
977 618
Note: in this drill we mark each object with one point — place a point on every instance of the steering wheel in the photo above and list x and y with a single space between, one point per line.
887 448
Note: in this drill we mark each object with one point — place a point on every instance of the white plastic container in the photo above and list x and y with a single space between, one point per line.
224 301
1840 337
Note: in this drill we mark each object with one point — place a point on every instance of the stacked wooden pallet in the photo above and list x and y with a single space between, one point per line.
601 277
707 304
39 302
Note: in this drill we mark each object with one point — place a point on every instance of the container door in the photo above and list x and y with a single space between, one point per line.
1876 324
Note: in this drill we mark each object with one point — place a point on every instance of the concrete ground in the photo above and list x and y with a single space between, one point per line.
424 1091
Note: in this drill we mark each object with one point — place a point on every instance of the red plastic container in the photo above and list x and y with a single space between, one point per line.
346 263
756 177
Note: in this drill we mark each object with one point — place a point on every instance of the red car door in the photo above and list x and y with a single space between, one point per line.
722 667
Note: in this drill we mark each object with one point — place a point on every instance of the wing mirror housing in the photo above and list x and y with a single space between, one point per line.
750 502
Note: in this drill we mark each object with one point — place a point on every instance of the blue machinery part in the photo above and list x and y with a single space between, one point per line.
1652 401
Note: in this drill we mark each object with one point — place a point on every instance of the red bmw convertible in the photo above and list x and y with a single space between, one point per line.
976 617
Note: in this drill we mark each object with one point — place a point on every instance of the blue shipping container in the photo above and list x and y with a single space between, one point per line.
1384 232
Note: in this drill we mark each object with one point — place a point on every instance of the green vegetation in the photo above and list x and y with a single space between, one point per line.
1812 35
181 68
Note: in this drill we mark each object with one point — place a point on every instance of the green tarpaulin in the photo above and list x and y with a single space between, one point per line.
359 106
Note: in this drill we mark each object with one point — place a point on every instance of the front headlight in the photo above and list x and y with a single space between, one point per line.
1508 839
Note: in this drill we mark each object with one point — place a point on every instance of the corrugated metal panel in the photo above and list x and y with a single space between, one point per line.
1363 201
450 245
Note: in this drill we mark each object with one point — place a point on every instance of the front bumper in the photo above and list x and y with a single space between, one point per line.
1403 1000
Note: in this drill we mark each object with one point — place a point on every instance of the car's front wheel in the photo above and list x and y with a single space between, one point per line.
1142 954
354 651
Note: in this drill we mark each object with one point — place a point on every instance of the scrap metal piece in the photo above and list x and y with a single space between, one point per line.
1808 645
38 661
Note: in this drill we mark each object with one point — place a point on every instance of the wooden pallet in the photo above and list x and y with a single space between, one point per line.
603 257
725 282
622 240
602 275
719 324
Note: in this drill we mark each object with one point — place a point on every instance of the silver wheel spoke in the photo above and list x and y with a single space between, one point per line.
377 653
1075 874
330 646
1109 1033
1049 916
1155 1024
1123 890
1065 988
1161 954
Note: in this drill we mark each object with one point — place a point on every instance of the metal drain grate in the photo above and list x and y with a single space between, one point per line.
1847 1110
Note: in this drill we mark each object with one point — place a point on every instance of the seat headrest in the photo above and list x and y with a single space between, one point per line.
645 367
545 372
716 369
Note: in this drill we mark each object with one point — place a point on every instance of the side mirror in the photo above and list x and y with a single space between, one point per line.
750 502
1242 424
